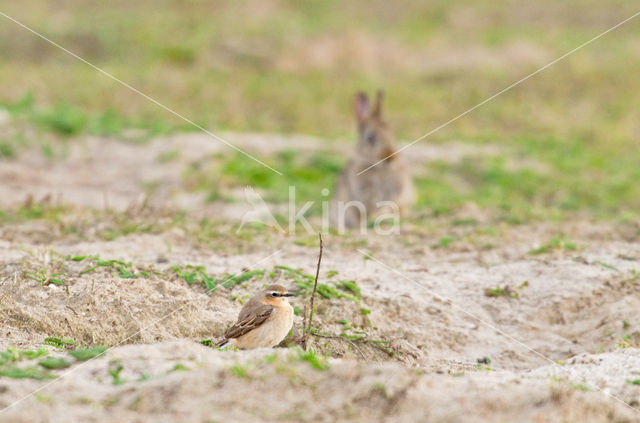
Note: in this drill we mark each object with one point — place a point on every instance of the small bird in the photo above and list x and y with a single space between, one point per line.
264 321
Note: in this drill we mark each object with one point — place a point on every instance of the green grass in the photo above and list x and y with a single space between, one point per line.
576 121
570 181
211 47
7 149
328 289
501 291
310 174
314 360
114 371
13 355
85 354
66 121
557 243
32 211
60 343
54 363
240 371
29 372
198 274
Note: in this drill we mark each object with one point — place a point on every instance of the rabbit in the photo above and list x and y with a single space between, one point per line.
388 182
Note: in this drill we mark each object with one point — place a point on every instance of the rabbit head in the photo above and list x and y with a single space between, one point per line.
376 140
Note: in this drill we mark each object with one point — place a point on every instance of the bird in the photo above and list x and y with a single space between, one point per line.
264 321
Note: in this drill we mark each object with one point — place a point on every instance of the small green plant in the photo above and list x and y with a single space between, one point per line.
445 241
61 344
340 289
556 243
240 371
127 274
270 358
350 286
64 120
13 354
314 360
114 370
144 377
629 340
7 150
54 363
197 274
85 354
29 372
179 367
501 291
635 277
44 278
607 266
101 263
634 382
581 387
380 388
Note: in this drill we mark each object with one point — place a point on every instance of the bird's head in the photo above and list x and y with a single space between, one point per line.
275 295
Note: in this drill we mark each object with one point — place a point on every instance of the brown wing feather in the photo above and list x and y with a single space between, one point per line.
250 322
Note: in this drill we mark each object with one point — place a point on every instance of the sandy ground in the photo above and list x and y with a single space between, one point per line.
565 349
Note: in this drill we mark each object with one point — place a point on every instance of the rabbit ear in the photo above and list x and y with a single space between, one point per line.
377 109
361 106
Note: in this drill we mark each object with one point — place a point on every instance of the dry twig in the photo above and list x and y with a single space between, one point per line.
307 330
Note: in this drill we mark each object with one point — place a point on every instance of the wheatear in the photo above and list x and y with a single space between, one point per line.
264 321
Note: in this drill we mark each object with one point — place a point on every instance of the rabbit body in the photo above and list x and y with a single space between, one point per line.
382 189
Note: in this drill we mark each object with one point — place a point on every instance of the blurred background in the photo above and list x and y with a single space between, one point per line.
564 142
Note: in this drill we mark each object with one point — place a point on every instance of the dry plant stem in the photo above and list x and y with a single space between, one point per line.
313 295
303 340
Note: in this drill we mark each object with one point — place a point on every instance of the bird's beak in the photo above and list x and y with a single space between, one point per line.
288 294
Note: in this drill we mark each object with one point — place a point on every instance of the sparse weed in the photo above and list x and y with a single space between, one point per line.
501 291
114 371
29 372
556 243
607 266
197 274
179 367
124 270
13 354
332 289
44 278
313 359
54 363
84 354
240 371
60 343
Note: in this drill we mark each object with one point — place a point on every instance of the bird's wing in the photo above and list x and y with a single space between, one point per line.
250 321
